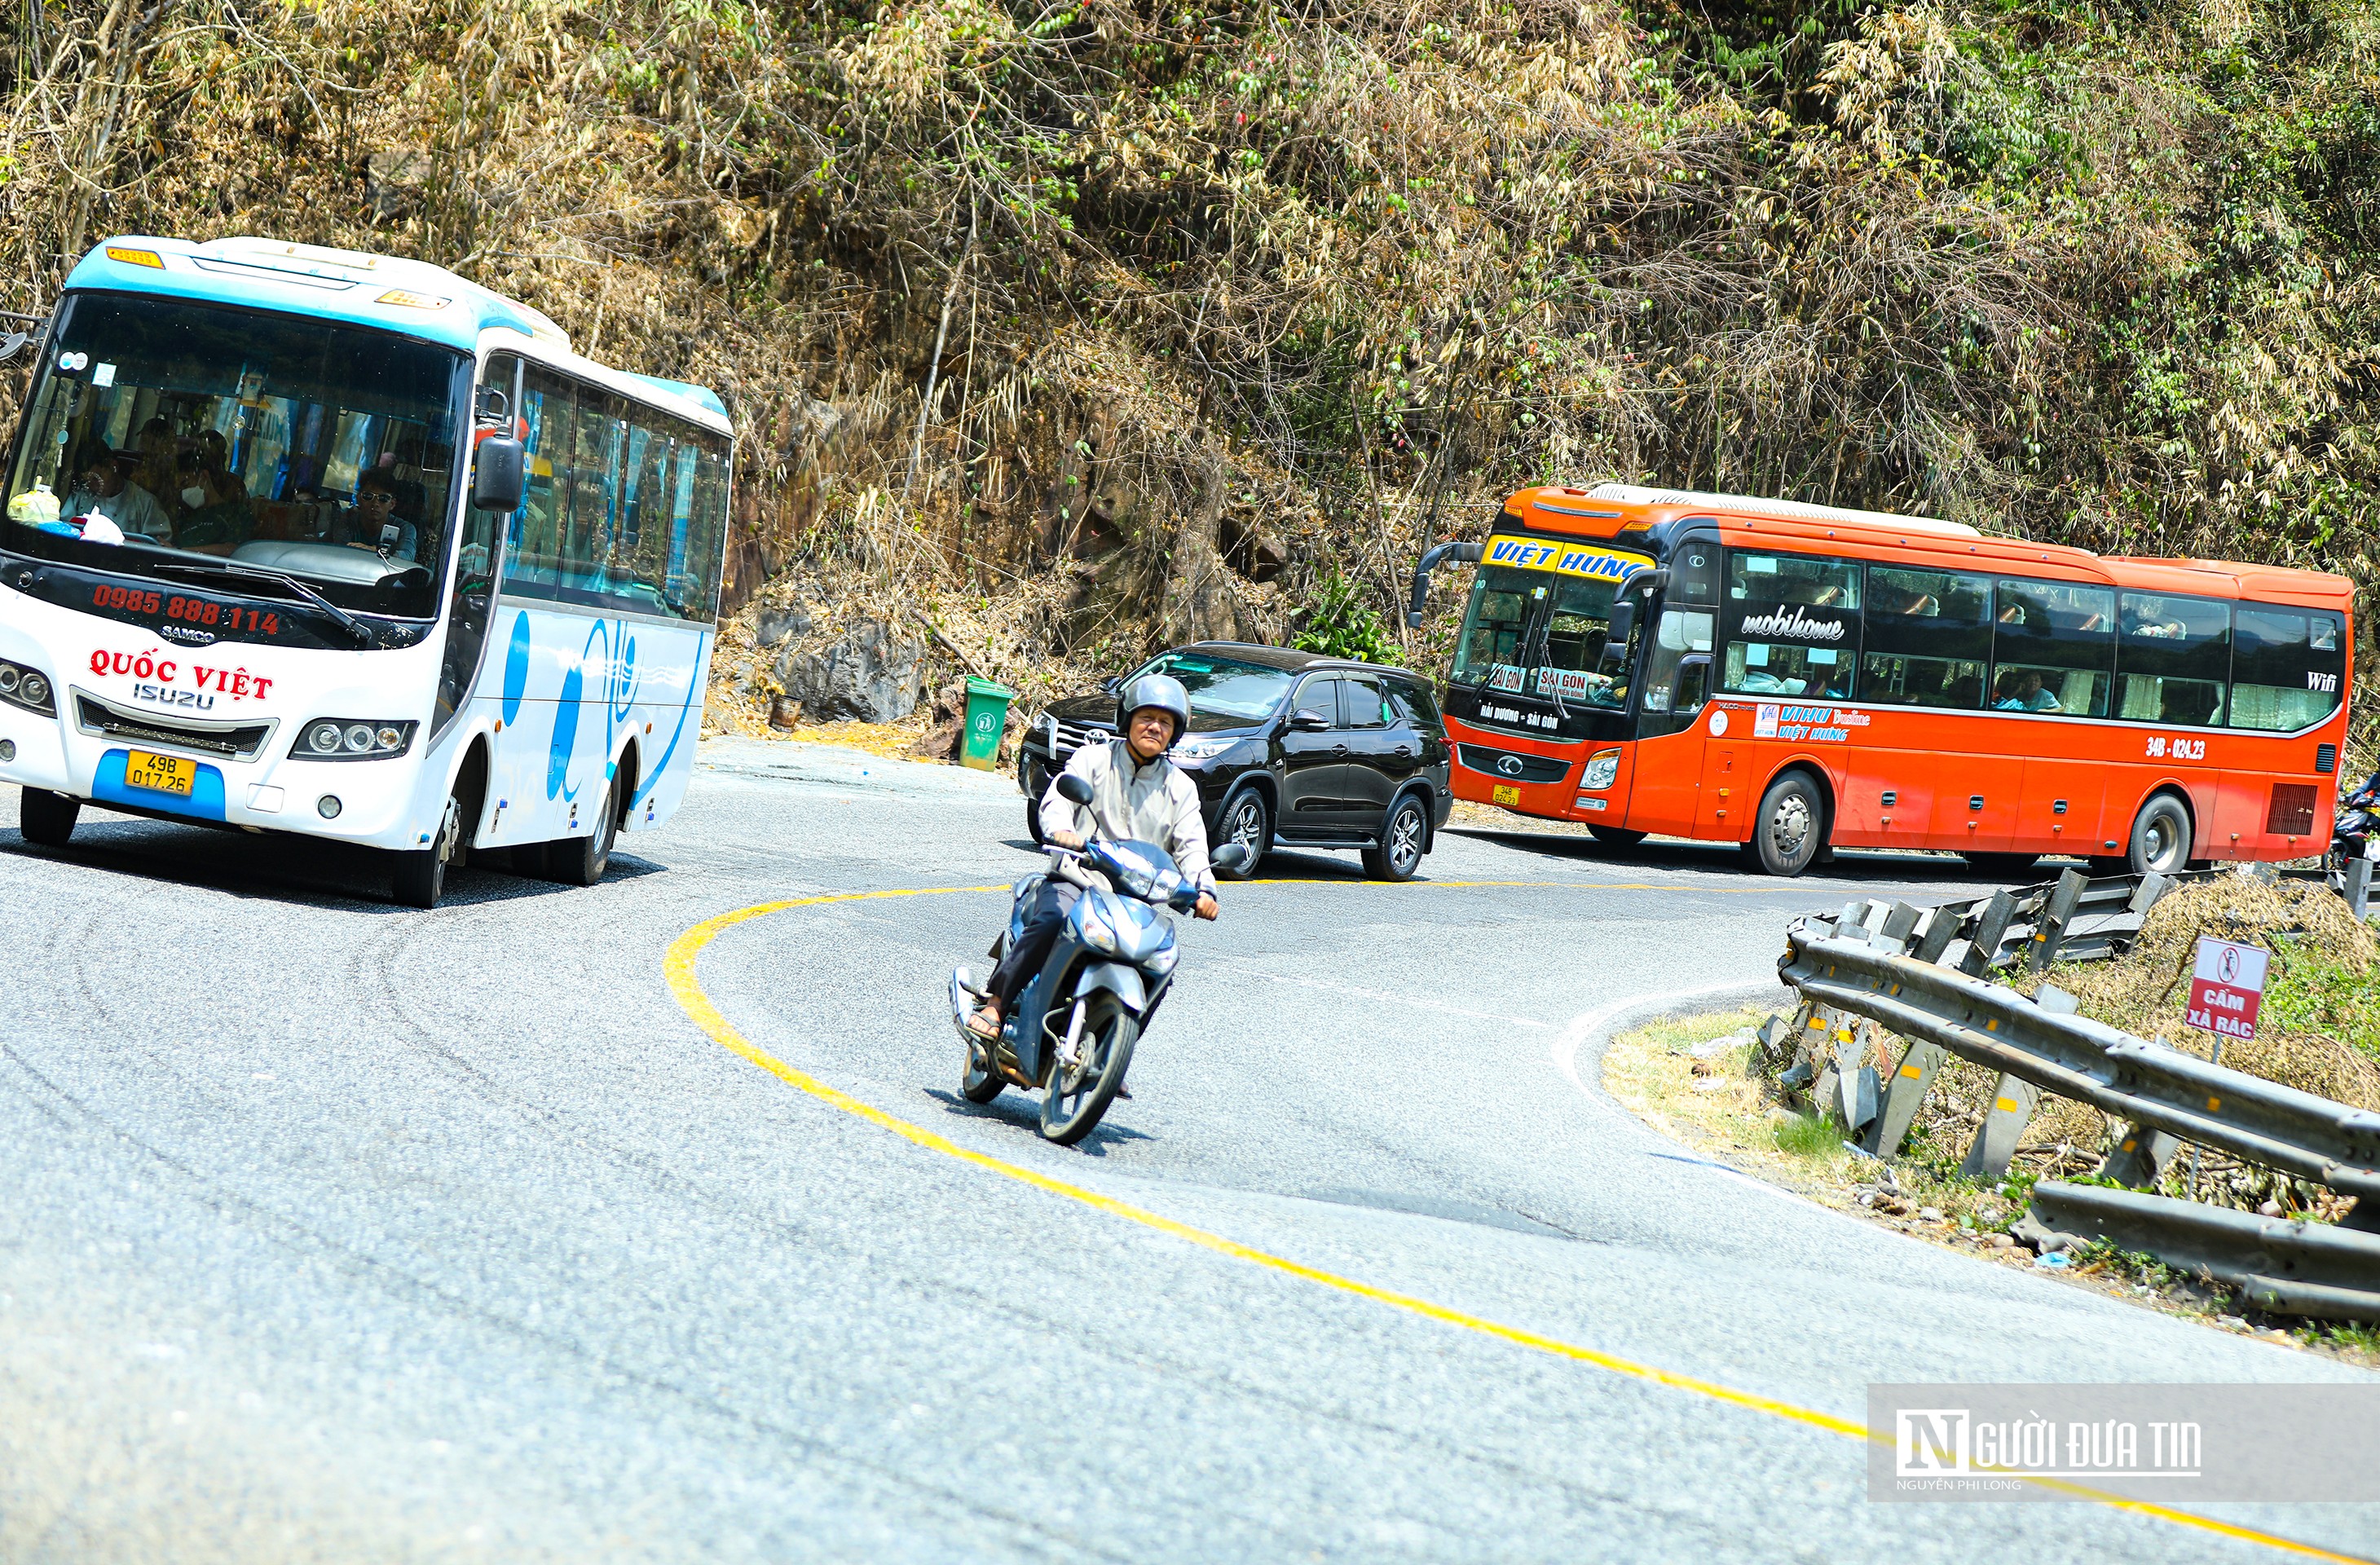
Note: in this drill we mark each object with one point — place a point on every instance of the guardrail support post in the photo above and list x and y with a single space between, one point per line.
2012 1105
1909 1084
2050 928
2139 1157
1991 926
2358 890
1941 928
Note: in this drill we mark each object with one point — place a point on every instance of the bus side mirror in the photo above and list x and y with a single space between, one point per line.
1466 553
499 475
1615 638
12 343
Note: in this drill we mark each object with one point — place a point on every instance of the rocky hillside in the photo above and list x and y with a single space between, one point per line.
1075 329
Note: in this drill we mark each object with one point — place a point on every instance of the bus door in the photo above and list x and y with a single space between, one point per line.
1665 791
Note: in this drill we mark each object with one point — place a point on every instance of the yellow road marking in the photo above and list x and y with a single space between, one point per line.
678 965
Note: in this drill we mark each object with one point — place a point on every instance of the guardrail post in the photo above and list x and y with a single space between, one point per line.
2140 1155
2012 1105
2358 890
1991 926
2050 928
1911 1080
1941 928
2147 894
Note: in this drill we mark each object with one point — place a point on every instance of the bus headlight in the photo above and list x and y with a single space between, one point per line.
350 738
29 688
1602 771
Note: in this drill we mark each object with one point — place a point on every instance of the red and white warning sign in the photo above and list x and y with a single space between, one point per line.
2226 988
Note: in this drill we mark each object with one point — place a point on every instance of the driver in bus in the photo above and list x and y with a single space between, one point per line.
106 489
363 525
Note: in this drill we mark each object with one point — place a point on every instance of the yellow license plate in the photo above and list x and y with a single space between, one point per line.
163 774
1507 795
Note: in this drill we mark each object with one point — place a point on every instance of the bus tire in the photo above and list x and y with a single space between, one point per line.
420 876
47 818
1615 836
1791 827
580 861
2161 835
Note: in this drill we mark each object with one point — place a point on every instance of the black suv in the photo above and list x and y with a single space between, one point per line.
1289 748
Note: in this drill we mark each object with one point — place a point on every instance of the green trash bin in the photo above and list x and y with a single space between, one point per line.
987 718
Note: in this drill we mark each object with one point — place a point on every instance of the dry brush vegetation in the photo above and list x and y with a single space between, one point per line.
1101 322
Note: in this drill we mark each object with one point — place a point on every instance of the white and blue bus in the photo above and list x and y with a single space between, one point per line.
309 541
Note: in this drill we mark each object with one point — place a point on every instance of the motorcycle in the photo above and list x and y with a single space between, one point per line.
2355 843
1071 1033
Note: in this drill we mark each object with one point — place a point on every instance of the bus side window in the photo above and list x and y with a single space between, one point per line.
532 551
2173 659
1792 625
2289 667
1928 635
1681 631
2053 648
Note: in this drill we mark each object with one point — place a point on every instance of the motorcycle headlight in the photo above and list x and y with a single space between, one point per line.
1160 961
1095 930
1602 769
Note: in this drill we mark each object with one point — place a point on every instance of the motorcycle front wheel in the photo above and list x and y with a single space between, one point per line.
1074 1097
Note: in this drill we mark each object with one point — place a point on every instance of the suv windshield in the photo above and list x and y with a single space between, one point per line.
166 435
1223 687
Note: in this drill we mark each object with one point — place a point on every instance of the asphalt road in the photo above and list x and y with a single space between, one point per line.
334 1231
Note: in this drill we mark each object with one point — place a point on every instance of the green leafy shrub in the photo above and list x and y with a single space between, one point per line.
1338 623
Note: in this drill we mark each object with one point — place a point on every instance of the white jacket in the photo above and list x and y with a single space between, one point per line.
1155 803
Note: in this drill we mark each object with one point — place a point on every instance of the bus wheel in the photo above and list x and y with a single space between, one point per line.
1615 836
47 818
2160 838
1791 827
580 861
421 874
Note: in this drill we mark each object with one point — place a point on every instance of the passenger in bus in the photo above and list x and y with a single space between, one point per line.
1965 692
106 489
2154 623
2021 690
218 517
158 467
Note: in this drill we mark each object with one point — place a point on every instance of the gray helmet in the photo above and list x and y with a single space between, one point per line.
1160 690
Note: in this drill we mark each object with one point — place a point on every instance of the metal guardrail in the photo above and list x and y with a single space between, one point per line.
2285 1266
1886 965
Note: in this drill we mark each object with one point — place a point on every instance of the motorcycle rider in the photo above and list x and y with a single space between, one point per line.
1136 795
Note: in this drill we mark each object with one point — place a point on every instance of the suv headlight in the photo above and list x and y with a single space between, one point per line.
1602 769
1201 749
26 687
351 738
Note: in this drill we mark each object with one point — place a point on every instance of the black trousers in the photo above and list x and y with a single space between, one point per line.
1045 914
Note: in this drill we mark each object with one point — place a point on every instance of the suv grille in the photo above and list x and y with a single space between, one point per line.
237 740
1064 738
1511 765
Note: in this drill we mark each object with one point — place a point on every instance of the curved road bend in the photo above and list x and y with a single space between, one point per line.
341 1231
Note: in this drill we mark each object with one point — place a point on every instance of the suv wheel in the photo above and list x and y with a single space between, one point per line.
1403 838
1244 821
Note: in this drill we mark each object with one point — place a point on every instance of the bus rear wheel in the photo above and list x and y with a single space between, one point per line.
1791 827
47 818
2160 838
580 861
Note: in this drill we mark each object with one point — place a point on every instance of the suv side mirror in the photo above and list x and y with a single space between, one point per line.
1307 720
1112 686
1073 789
499 474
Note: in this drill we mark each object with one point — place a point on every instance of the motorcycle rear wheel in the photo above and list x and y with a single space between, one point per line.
981 1080
1073 1100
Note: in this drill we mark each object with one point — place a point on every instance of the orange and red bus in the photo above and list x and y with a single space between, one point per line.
1795 679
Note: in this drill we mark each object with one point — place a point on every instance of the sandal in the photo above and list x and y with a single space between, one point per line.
981 1024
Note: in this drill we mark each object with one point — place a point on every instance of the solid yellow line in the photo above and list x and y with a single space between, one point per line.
678 963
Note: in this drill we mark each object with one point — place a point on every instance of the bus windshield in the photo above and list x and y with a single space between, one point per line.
161 429
1538 633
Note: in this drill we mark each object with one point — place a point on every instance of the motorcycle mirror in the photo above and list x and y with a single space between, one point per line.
1230 856
1073 789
